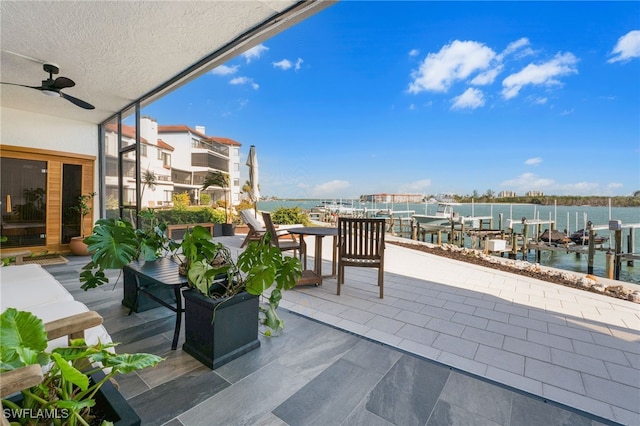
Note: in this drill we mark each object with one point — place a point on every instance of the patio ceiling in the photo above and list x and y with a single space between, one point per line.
120 52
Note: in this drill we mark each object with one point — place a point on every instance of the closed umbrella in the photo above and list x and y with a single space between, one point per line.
252 162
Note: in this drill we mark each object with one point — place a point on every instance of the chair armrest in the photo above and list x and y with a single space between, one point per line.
72 326
15 380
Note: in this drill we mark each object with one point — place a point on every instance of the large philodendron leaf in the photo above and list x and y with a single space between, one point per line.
289 273
198 276
126 363
259 278
70 373
23 338
113 243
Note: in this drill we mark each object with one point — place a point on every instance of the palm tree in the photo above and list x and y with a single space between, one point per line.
221 180
148 180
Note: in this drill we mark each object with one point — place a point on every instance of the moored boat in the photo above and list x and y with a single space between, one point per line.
442 219
554 237
581 237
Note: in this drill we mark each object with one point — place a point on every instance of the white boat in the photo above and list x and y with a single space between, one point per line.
442 219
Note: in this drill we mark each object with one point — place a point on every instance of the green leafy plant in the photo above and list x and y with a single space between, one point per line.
259 267
66 387
114 243
181 201
83 208
289 216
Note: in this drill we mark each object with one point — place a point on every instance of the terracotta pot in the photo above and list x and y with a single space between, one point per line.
77 247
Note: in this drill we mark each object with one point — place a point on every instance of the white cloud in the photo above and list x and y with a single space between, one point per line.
567 111
580 188
540 101
516 47
284 64
416 187
224 70
412 107
527 182
239 81
533 161
254 53
471 98
614 185
455 61
627 47
487 77
540 74
330 188
414 52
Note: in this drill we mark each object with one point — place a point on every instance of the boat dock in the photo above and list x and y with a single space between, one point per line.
506 238
522 237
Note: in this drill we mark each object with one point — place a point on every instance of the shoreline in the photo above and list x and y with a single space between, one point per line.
618 289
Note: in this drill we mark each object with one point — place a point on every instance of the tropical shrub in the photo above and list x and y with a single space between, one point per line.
205 199
289 216
181 200
191 215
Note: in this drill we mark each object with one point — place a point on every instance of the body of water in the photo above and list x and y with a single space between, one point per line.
571 218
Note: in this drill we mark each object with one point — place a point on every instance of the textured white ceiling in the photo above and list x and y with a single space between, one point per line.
119 51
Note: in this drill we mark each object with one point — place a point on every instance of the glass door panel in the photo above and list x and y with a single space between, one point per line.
71 190
24 202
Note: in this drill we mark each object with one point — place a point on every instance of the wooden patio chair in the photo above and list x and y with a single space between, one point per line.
256 229
361 244
283 244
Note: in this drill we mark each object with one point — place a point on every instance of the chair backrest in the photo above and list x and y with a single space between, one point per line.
268 224
361 239
249 217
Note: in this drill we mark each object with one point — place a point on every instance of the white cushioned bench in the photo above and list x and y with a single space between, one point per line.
31 288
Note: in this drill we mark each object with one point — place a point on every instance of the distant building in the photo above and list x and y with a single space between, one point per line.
534 194
446 197
179 158
507 194
393 198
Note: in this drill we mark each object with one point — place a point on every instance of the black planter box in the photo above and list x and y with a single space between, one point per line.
233 333
110 402
224 230
144 303
228 229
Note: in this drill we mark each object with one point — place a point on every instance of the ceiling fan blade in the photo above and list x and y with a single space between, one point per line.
62 82
76 101
22 85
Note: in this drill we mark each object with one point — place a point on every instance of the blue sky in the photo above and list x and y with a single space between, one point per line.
433 97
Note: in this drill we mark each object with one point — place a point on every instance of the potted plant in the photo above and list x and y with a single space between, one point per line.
222 310
75 379
82 208
114 243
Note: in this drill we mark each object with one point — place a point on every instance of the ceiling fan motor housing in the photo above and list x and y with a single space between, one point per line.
51 69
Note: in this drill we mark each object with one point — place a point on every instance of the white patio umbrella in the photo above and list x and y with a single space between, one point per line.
252 162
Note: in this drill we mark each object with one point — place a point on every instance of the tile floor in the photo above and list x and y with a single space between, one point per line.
450 343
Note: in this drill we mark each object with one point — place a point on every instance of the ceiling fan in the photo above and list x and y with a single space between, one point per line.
53 87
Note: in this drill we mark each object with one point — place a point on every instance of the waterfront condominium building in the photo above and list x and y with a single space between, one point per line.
173 159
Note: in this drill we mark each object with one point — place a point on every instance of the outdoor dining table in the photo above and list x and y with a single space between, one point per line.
163 272
314 276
